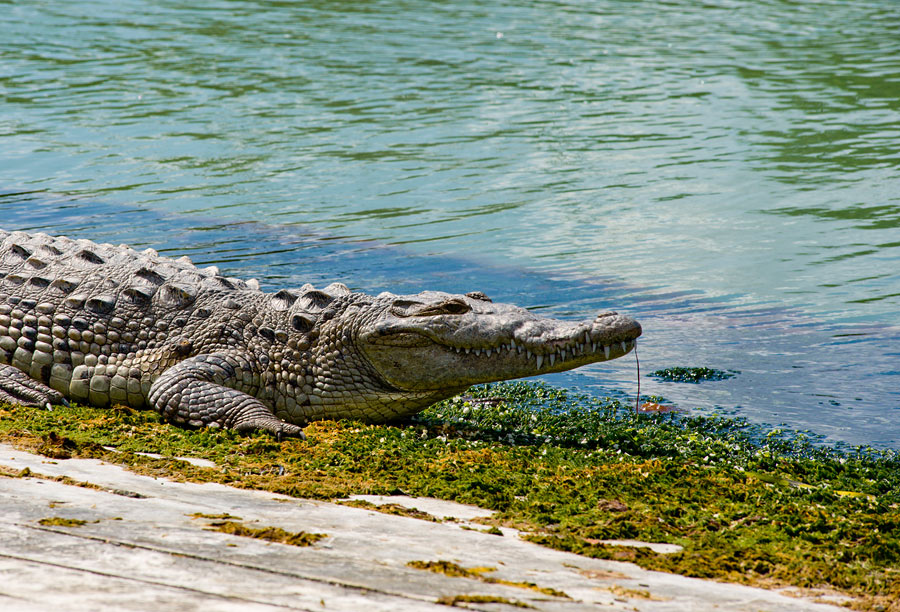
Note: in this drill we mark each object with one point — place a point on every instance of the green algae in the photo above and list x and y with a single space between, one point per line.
747 503
692 375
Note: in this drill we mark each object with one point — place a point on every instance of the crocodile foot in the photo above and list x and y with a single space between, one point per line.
275 426
191 393
17 388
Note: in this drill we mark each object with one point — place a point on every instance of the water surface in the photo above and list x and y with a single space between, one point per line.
728 171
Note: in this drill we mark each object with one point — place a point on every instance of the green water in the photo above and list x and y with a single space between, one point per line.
746 154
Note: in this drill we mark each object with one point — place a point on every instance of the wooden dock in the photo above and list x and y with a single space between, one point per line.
103 538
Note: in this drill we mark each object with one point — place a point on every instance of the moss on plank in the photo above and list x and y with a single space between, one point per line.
391 508
449 568
269 534
59 521
459 600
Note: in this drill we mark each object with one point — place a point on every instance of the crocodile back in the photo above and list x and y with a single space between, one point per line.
68 303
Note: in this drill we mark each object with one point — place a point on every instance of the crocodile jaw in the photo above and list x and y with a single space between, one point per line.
490 343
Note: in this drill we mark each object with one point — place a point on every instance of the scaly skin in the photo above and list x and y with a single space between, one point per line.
104 324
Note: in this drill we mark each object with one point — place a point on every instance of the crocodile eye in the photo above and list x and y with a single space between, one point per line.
455 307
405 308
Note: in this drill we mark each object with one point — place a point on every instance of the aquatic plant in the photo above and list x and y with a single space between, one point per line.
692 375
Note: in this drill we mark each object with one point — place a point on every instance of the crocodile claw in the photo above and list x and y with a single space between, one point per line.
16 387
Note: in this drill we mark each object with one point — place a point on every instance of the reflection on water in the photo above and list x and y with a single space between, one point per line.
729 166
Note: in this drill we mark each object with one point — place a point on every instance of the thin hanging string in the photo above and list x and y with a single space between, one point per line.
637 363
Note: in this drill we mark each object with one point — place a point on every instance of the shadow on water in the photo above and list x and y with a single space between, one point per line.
842 382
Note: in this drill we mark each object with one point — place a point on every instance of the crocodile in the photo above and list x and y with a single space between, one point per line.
105 325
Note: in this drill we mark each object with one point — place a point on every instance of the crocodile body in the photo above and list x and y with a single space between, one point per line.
103 324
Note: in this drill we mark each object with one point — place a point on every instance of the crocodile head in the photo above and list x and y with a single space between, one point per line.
384 357
435 341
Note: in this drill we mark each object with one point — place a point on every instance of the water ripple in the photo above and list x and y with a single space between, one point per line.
743 151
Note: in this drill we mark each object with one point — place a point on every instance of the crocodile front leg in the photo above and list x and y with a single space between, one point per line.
16 387
201 392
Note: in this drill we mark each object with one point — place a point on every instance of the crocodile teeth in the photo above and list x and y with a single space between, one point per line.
512 344
529 354
488 352
593 347
606 350
468 350
552 358
624 346
540 360
562 356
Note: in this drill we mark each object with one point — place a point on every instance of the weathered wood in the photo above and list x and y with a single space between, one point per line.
140 548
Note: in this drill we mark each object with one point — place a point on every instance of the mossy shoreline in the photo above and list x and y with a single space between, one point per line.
747 505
